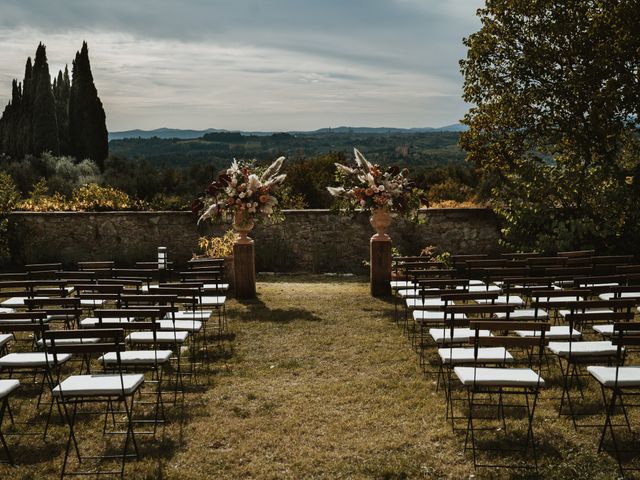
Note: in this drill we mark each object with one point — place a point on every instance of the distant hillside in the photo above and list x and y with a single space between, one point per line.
189 134
400 147
161 133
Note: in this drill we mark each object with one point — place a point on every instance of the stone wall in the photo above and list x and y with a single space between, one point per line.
307 241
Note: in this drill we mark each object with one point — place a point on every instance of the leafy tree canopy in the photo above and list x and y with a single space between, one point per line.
556 94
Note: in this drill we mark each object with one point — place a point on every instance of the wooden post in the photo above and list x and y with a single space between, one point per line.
244 270
380 260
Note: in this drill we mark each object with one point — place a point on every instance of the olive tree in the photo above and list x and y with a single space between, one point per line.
554 88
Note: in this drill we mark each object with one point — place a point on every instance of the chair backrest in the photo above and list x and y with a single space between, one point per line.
38 267
469 296
77 276
32 317
133 314
625 334
520 255
502 336
205 263
577 253
185 295
34 323
66 308
555 299
209 275
111 340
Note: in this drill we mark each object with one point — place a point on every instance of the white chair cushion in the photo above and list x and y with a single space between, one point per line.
397 284
419 303
442 336
611 295
70 341
558 300
425 316
587 349
556 332
5 338
17 301
213 301
604 330
6 310
524 314
459 356
137 357
409 293
30 360
215 287
185 325
190 315
484 288
161 337
627 376
502 300
98 385
7 386
91 322
498 377
90 302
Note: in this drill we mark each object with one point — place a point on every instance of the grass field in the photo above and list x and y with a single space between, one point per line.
316 381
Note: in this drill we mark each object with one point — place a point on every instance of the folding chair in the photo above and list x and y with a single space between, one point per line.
574 356
153 359
453 340
489 387
78 390
619 381
7 387
29 328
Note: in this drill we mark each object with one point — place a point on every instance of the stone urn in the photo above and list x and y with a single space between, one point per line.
243 224
380 220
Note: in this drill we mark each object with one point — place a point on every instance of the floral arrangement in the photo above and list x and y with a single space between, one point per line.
368 187
242 190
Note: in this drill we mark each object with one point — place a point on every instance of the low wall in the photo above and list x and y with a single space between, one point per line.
307 241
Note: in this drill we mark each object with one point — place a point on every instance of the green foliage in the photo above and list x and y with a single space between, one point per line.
86 198
555 121
309 178
433 253
9 196
216 247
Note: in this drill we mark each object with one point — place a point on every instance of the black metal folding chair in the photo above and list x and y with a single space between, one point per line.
110 389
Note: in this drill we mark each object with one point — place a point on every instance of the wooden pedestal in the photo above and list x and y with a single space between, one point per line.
380 276
244 274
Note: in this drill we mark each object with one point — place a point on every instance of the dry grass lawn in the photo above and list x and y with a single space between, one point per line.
318 382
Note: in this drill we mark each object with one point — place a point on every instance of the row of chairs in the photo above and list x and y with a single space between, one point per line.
489 333
132 327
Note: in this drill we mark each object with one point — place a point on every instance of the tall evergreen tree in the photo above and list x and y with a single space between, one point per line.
24 130
87 121
61 92
44 123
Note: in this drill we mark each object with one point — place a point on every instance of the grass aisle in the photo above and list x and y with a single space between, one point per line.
321 384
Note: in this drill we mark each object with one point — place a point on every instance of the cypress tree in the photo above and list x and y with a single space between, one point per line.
44 123
61 91
87 121
24 134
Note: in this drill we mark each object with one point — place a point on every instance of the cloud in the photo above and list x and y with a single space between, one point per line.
282 64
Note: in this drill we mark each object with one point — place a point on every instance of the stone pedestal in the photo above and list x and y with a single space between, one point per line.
380 260
244 273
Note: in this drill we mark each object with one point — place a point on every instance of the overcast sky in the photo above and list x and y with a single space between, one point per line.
253 64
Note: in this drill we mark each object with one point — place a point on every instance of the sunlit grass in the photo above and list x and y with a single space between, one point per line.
318 382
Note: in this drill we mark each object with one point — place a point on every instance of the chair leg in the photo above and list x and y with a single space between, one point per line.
5 447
